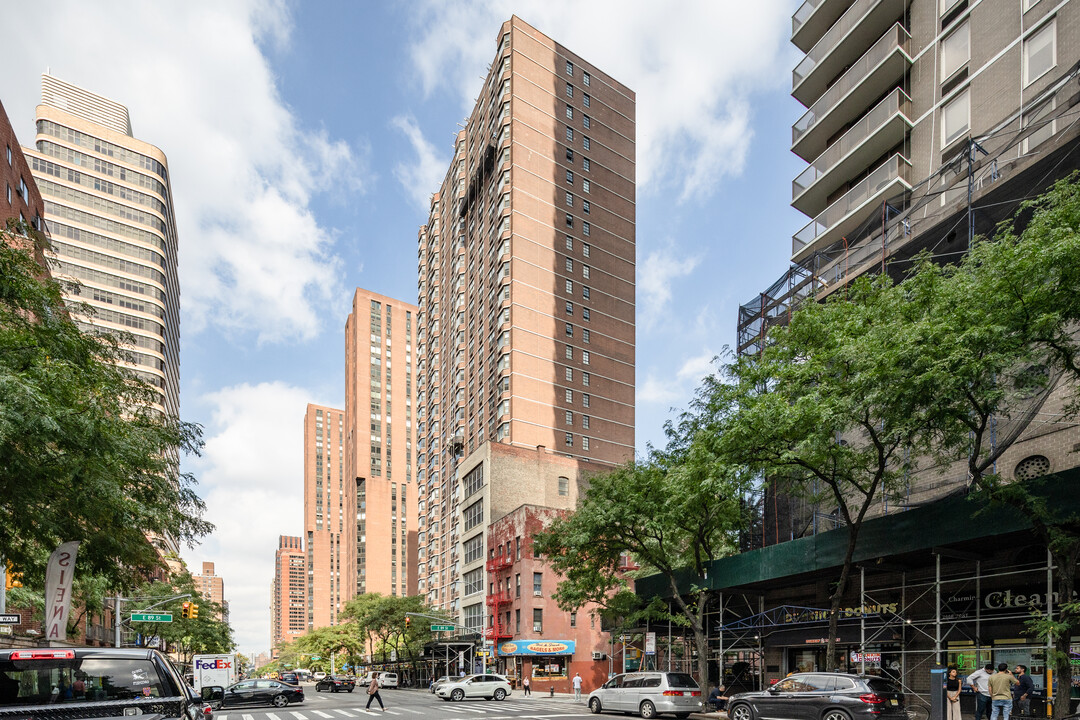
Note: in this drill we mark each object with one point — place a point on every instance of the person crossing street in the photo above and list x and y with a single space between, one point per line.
577 687
373 693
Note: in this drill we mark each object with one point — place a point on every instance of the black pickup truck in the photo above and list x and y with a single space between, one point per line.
72 683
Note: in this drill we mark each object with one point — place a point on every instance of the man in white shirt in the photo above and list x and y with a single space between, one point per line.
577 687
980 683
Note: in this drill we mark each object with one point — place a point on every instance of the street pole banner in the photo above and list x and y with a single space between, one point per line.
59 578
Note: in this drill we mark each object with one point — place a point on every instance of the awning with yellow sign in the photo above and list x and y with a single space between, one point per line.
537 647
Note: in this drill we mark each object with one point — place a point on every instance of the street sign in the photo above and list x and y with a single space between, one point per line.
12 619
316 657
151 617
442 628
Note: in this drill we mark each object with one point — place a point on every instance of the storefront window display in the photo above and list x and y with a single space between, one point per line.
549 667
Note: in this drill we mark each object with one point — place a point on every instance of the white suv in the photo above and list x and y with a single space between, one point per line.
485 686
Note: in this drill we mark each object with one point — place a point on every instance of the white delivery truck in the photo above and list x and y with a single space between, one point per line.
223 670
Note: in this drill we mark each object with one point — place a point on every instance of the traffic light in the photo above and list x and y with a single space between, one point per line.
12 579
194 611
408 621
185 610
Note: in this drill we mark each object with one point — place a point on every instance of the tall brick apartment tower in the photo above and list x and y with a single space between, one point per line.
288 597
526 293
927 122
326 515
212 587
380 481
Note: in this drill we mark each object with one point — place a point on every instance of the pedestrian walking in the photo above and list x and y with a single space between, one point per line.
1001 698
980 684
1022 691
373 693
525 684
577 687
952 694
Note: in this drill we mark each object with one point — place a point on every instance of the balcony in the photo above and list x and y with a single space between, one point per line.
872 75
496 633
813 19
846 214
497 563
500 598
848 38
876 133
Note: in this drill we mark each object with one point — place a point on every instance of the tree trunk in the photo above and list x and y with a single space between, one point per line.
702 643
1066 584
831 664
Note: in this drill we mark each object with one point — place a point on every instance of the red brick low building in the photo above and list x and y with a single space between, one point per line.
532 636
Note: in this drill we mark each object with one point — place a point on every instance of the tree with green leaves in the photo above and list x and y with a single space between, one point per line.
83 456
673 513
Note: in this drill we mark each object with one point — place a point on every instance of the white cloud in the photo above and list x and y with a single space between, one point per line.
423 177
655 276
670 389
253 257
694 66
251 475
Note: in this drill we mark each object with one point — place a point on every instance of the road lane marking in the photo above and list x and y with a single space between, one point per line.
320 713
272 716
346 713
299 715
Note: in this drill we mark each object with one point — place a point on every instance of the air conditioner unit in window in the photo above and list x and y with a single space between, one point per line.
537 593
598 655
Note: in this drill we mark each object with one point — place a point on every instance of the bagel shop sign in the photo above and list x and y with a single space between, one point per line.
537 647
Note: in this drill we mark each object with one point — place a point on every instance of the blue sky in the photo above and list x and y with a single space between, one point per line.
304 140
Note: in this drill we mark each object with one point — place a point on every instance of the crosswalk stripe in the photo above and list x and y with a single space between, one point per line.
320 713
414 712
346 713
221 717
248 717
299 715
272 716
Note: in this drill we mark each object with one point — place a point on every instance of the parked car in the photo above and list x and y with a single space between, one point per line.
435 685
262 692
388 680
485 686
335 683
649 694
319 675
822 696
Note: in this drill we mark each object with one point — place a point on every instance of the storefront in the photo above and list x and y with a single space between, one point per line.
545 662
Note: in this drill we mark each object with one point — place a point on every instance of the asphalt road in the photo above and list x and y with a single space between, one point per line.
410 705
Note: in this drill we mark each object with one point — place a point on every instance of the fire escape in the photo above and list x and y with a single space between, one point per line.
496 601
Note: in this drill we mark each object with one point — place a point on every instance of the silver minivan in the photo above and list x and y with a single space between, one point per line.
649 694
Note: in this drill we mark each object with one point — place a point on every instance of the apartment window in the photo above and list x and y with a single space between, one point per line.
517 578
586 292
569 439
1040 52
586 79
569 90
569 417
585 419
569 395
570 134
585 379
955 51
9 155
585 336
474 549
569 200
9 194
474 581
570 287
569 330
538 584
585 399
586 144
569 265
569 308
569 68
569 155
585 314
586 164
586 122
1040 124
569 220
517 618
955 118
473 515
944 6
569 243
538 620
569 374
586 248
586 206
573 619
570 177
584 443
586 229
569 352
569 112
585 99
586 186
584 357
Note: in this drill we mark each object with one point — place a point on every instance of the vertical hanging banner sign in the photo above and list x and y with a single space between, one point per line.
59 578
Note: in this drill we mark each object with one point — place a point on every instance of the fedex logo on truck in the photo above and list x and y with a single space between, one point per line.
216 664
